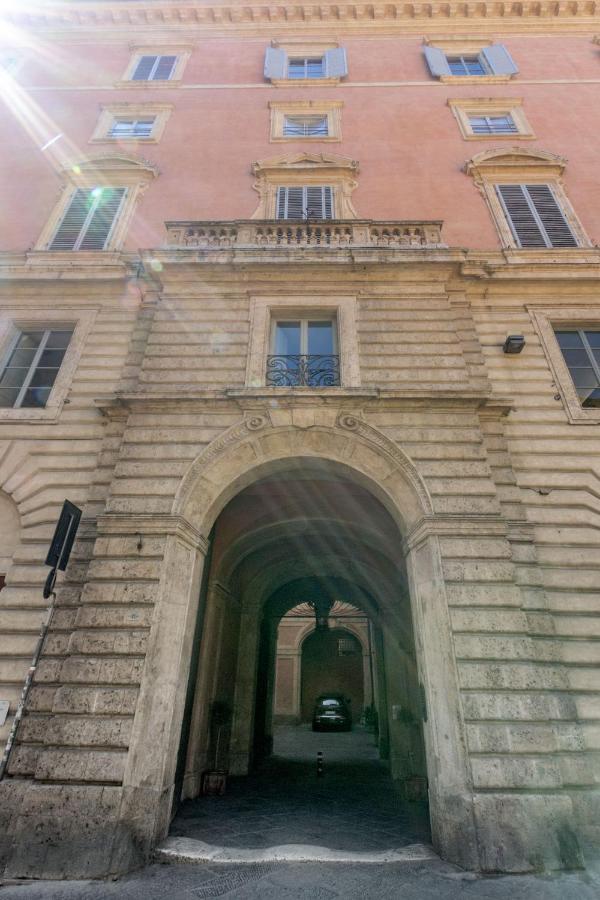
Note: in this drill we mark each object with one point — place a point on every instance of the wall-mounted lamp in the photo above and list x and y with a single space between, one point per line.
514 343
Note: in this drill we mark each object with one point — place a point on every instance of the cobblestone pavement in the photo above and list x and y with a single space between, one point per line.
314 881
285 803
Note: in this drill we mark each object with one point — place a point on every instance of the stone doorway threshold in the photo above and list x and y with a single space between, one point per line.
283 812
188 850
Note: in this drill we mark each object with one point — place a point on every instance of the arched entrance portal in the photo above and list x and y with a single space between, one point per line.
304 538
251 451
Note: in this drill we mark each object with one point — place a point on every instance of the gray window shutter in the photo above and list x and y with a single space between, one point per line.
73 221
535 218
498 60
275 63
437 62
336 63
101 223
555 225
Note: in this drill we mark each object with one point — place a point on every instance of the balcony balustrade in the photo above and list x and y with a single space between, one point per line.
347 234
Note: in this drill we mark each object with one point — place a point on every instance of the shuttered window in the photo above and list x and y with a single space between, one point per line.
493 124
132 128
466 65
306 67
581 351
304 203
535 218
305 126
154 68
89 219
32 366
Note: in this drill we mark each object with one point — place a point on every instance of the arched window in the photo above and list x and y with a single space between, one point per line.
526 197
97 204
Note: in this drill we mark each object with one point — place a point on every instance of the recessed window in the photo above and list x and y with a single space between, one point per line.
306 126
466 65
89 219
138 129
306 67
534 216
303 353
154 68
493 124
33 362
449 61
307 202
581 351
305 64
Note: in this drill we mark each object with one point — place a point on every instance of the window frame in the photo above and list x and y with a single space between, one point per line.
468 47
181 52
116 171
524 166
330 109
541 225
464 108
88 221
302 48
546 321
305 189
13 322
113 111
305 169
265 311
34 365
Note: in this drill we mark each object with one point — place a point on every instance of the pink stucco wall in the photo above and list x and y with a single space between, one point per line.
405 137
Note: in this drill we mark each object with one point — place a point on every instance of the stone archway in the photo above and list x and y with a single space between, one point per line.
246 452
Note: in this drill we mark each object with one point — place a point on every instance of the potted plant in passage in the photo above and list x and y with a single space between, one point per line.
214 781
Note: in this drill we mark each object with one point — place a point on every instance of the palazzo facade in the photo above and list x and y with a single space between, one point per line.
300 300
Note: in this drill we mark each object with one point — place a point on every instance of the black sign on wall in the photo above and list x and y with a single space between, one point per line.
62 543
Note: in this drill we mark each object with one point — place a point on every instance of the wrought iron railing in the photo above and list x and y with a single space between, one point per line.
303 370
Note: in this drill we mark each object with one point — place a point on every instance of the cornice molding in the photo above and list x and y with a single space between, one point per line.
188 16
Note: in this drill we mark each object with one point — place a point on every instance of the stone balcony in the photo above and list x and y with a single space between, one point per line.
352 234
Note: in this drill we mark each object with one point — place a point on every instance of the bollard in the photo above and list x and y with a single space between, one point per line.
319 764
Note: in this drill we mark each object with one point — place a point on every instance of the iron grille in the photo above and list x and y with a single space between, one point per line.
303 370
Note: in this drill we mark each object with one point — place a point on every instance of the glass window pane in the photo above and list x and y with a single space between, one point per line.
287 338
320 338
568 339
36 397
584 378
13 377
58 339
314 68
593 338
43 378
8 397
574 358
592 399
296 68
474 67
51 359
30 340
22 357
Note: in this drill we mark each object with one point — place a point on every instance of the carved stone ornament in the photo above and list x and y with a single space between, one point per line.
305 169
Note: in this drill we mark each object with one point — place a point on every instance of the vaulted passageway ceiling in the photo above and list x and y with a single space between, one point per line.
287 539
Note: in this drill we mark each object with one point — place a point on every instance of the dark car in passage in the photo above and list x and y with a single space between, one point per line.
332 713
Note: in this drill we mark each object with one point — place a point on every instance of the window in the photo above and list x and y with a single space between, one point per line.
534 216
302 64
306 185
89 219
154 68
306 68
132 122
466 65
581 352
132 128
33 362
306 120
451 62
493 124
305 126
307 202
481 118
526 198
304 354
